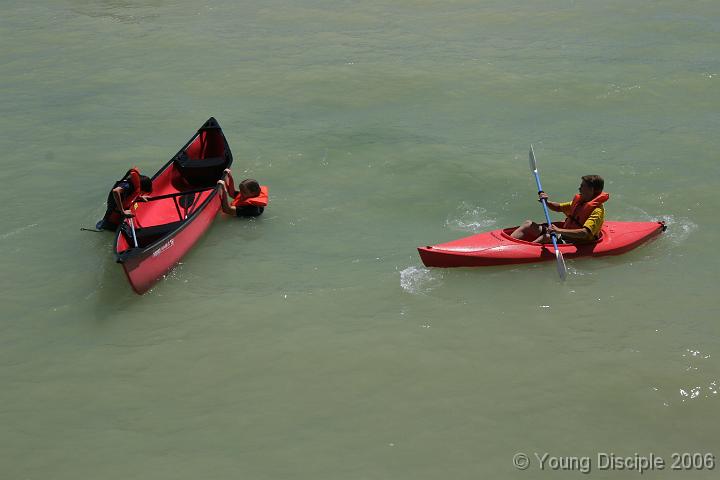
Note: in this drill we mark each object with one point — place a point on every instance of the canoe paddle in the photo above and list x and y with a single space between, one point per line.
562 271
132 229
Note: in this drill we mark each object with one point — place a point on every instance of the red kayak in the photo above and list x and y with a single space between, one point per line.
498 248
186 199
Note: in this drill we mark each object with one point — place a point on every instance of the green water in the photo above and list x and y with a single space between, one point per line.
312 343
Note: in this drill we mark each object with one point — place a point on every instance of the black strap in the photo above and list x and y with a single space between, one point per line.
178 194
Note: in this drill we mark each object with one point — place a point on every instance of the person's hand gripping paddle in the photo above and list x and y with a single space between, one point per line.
562 271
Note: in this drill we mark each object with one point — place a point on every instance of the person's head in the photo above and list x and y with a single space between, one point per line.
145 184
249 188
590 187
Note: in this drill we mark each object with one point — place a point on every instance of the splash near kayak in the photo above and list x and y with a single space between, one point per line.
184 203
499 248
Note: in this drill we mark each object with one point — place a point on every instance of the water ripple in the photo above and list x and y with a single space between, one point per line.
470 218
17 230
418 280
679 229
694 391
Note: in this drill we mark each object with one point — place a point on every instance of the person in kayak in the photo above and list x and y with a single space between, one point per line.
249 200
585 215
132 187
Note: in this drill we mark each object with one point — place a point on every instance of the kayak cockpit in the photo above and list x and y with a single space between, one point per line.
506 233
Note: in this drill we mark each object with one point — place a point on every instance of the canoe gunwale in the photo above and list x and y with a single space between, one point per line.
132 253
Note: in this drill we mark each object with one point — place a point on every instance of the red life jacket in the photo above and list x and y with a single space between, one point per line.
580 212
113 215
133 176
259 201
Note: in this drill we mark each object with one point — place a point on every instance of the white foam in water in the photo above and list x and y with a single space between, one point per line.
572 270
678 229
417 279
470 218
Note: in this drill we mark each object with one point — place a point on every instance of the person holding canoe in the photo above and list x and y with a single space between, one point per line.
585 215
249 200
132 187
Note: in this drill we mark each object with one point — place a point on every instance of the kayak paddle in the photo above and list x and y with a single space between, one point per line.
562 271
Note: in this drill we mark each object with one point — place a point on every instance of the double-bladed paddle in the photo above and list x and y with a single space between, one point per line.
562 271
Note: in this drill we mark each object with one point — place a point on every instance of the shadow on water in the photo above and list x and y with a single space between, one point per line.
112 294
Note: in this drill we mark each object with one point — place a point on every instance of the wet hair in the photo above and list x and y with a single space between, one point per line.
595 181
145 184
251 186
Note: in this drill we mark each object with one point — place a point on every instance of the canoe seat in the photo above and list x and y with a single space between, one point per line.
148 235
201 172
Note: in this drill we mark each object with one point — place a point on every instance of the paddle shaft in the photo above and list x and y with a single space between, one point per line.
132 228
553 236
545 207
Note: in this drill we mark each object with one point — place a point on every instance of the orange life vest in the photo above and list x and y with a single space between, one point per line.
260 201
580 212
113 215
133 176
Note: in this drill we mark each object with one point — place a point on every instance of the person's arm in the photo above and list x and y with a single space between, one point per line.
226 207
573 233
554 206
230 183
117 194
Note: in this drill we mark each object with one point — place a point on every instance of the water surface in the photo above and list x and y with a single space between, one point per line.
312 343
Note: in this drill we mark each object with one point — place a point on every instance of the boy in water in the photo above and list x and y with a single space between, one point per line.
585 216
249 200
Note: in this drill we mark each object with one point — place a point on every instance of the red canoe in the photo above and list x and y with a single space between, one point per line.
185 201
498 248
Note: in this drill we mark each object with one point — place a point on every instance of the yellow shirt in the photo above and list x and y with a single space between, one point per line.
595 220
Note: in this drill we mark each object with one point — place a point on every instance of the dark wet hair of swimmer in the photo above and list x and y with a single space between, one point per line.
249 188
